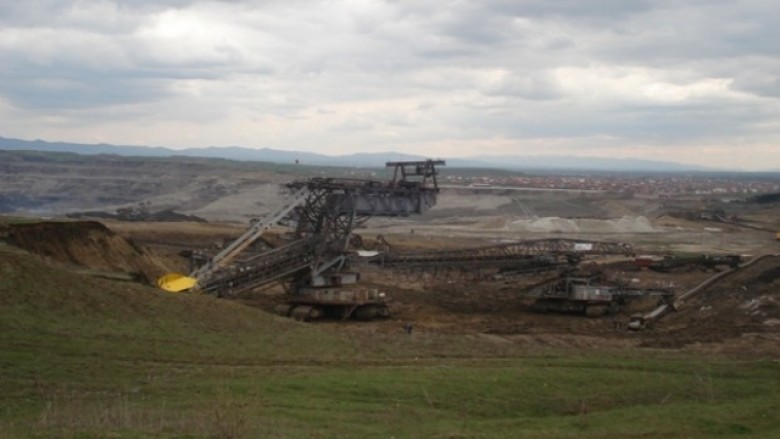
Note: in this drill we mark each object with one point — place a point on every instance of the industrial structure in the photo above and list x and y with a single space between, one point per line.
673 263
313 266
591 294
508 259
570 292
318 270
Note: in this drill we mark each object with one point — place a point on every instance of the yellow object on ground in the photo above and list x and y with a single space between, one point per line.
176 283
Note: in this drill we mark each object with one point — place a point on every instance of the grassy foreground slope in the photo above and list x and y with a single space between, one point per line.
87 357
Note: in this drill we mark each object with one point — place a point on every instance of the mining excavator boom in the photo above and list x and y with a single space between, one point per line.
175 282
567 294
314 266
510 259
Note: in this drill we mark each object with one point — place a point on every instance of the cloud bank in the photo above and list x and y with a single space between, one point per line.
695 82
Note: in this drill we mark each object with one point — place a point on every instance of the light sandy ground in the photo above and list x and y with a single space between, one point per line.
566 225
645 235
483 202
254 201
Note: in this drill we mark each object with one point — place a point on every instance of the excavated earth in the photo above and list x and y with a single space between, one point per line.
738 315
88 244
742 310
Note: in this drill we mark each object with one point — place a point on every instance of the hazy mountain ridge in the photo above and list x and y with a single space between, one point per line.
357 160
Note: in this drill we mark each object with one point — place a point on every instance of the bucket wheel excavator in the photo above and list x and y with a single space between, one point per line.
313 266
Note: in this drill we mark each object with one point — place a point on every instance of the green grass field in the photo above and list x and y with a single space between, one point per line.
84 357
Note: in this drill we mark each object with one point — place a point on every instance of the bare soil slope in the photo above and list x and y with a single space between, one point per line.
743 308
89 244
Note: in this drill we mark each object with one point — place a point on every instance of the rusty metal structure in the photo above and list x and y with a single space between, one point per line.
674 263
510 259
590 294
314 265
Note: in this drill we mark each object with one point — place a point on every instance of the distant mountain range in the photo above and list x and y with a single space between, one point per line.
510 162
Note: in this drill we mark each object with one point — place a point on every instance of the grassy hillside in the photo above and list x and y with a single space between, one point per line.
87 357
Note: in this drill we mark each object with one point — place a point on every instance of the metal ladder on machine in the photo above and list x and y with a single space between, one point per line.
230 252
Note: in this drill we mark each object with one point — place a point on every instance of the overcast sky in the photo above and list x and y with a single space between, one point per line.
691 81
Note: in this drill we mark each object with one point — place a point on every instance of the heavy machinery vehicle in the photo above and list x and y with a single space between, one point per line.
672 263
502 261
313 266
590 294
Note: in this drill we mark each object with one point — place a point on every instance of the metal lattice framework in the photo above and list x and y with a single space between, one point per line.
502 255
327 210
325 219
263 269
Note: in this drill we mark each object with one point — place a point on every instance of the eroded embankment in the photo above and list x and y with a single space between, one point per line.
88 244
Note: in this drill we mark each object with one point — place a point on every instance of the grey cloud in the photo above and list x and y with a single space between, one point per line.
59 14
661 124
765 84
38 88
473 69
531 86
711 30
596 10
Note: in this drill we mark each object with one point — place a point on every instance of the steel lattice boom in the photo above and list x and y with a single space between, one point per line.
502 255
326 211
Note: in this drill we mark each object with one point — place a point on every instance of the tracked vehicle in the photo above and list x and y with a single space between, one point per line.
590 295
